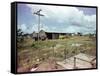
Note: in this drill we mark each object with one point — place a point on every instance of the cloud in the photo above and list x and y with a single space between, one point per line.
34 27
22 27
25 28
63 19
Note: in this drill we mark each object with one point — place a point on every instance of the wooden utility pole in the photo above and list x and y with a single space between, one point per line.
38 14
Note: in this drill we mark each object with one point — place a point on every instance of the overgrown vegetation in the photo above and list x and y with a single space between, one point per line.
35 52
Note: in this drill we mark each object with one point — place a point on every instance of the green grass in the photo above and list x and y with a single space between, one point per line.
31 50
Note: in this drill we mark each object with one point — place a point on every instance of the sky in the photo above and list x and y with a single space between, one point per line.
56 18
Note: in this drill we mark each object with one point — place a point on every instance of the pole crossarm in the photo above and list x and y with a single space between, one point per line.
38 13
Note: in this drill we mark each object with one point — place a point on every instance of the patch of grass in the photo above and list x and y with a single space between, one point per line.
36 52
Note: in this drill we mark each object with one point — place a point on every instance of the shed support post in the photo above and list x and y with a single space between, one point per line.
74 62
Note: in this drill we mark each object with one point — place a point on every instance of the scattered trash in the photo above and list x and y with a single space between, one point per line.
33 69
37 60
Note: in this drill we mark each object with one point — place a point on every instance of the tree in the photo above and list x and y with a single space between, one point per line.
20 37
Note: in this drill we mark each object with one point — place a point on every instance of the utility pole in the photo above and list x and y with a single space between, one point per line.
38 14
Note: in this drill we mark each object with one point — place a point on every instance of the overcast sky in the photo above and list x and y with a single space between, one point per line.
57 18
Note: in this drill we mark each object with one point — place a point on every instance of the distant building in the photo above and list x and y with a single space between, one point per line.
42 35
50 35
79 34
54 35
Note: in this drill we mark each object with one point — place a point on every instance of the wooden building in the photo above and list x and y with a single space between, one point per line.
49 35
54 35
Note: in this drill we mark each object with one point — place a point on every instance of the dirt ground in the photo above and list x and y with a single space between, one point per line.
29 53
48 65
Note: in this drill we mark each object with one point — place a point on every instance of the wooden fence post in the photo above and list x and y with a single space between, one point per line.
74 62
